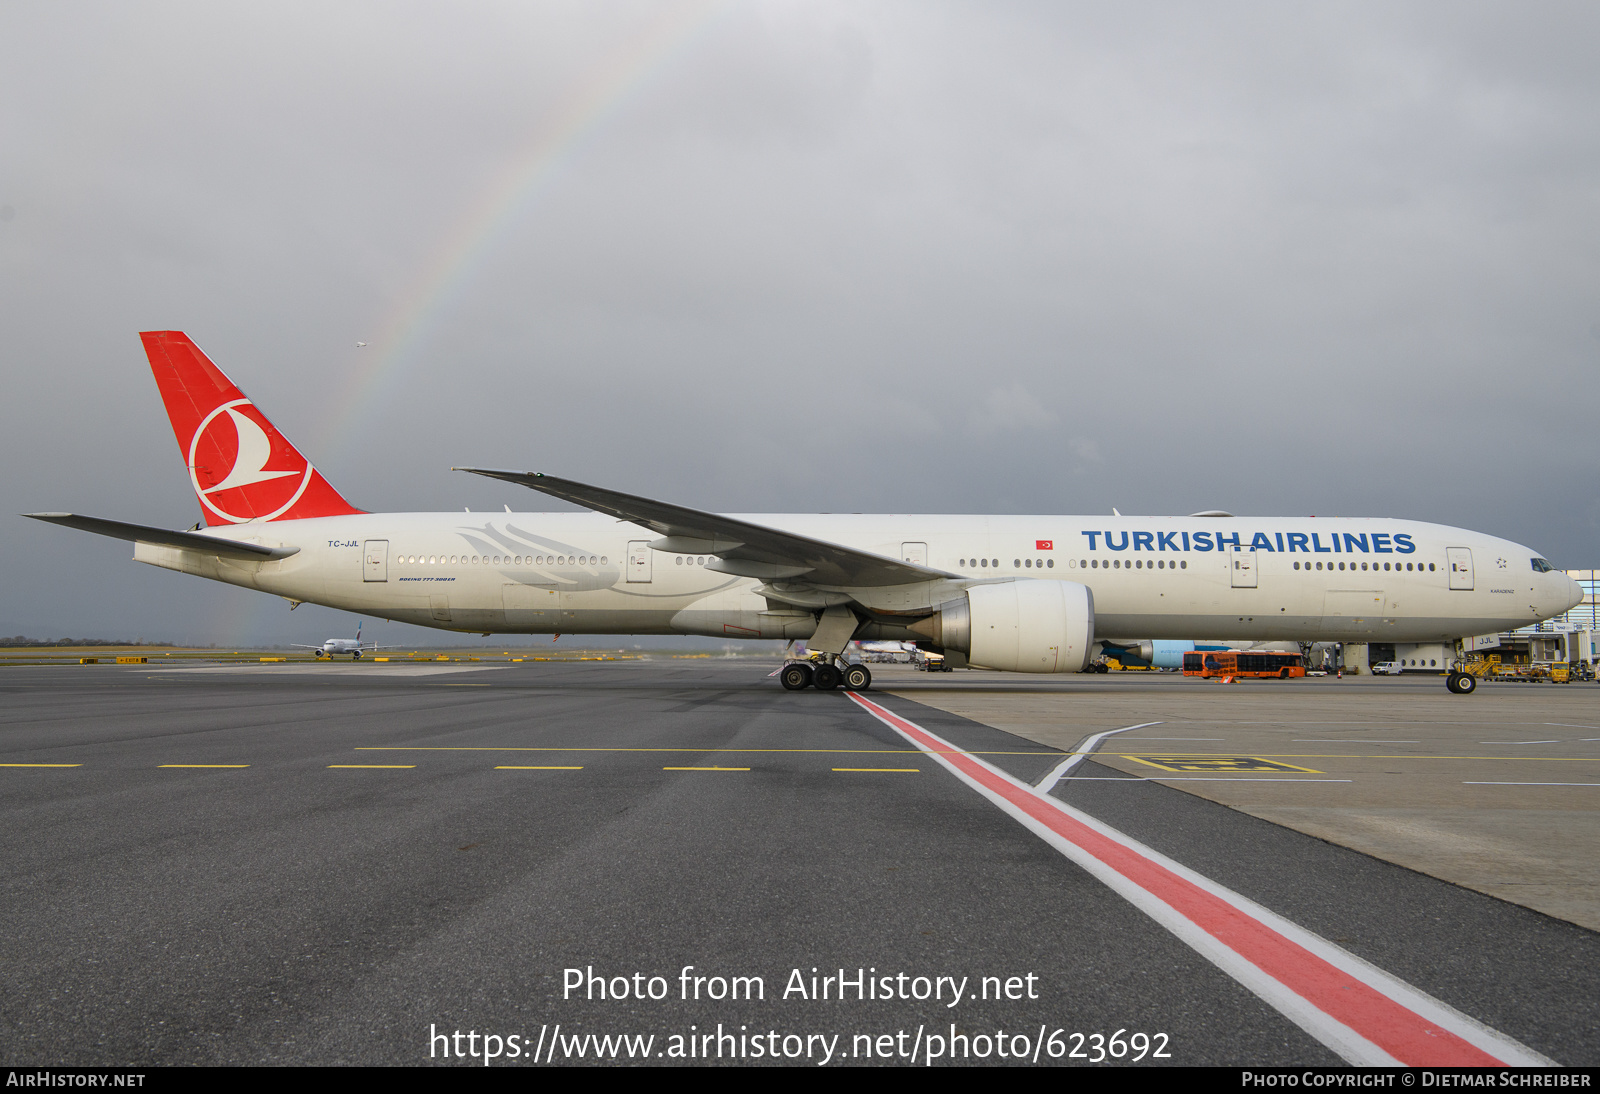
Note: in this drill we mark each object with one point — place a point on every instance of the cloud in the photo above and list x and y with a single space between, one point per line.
1008 410
1349 242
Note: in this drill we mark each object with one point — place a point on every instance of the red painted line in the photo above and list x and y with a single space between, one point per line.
1398 1030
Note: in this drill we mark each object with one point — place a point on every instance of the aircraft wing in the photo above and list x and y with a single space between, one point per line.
188 541
743 549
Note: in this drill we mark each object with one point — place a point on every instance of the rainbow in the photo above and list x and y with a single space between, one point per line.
554 143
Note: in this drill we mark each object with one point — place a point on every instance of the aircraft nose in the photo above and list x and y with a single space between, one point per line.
1574 592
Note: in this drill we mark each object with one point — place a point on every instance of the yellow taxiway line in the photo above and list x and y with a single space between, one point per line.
591 748
962 752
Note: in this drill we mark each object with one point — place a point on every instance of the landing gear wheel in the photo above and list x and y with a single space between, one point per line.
826 677
1462 683
857 678
795 677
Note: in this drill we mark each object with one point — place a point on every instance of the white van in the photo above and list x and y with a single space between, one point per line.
1387 668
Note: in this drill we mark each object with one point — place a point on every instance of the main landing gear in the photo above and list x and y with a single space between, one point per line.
798 675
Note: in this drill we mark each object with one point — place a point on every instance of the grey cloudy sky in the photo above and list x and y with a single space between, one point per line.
1277 259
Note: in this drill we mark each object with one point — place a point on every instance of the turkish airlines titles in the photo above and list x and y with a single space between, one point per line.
1379 543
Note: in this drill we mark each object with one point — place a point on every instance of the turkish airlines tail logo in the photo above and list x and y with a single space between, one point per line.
241 467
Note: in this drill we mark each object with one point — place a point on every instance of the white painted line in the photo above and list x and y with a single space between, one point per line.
1519 742
1337 742
1217 739
1568 725
1079 754
1359 1011
1530 784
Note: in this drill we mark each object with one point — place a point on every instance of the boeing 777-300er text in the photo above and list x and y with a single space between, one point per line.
1034 594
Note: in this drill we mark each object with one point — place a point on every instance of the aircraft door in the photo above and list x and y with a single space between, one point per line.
914 553
375 560
1460 560
639 560
1243 566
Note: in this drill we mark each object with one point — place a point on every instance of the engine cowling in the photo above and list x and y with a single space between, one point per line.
1018 626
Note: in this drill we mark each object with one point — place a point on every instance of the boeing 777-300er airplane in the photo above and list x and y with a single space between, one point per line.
1035 594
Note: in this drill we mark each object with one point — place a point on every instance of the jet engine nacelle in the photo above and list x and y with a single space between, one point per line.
1157 653
1018 626
1124 650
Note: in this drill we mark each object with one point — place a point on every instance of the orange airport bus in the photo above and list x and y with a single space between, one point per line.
1243 663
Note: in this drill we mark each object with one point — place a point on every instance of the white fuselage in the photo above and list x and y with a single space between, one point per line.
1306 579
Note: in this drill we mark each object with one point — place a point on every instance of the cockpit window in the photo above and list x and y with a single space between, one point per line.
1540 566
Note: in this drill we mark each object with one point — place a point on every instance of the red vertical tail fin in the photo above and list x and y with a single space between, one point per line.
241 467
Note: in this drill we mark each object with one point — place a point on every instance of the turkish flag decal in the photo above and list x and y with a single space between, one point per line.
1044 545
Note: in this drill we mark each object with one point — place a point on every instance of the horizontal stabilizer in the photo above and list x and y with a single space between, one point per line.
188 541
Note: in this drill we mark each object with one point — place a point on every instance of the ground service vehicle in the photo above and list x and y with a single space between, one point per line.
1236 663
